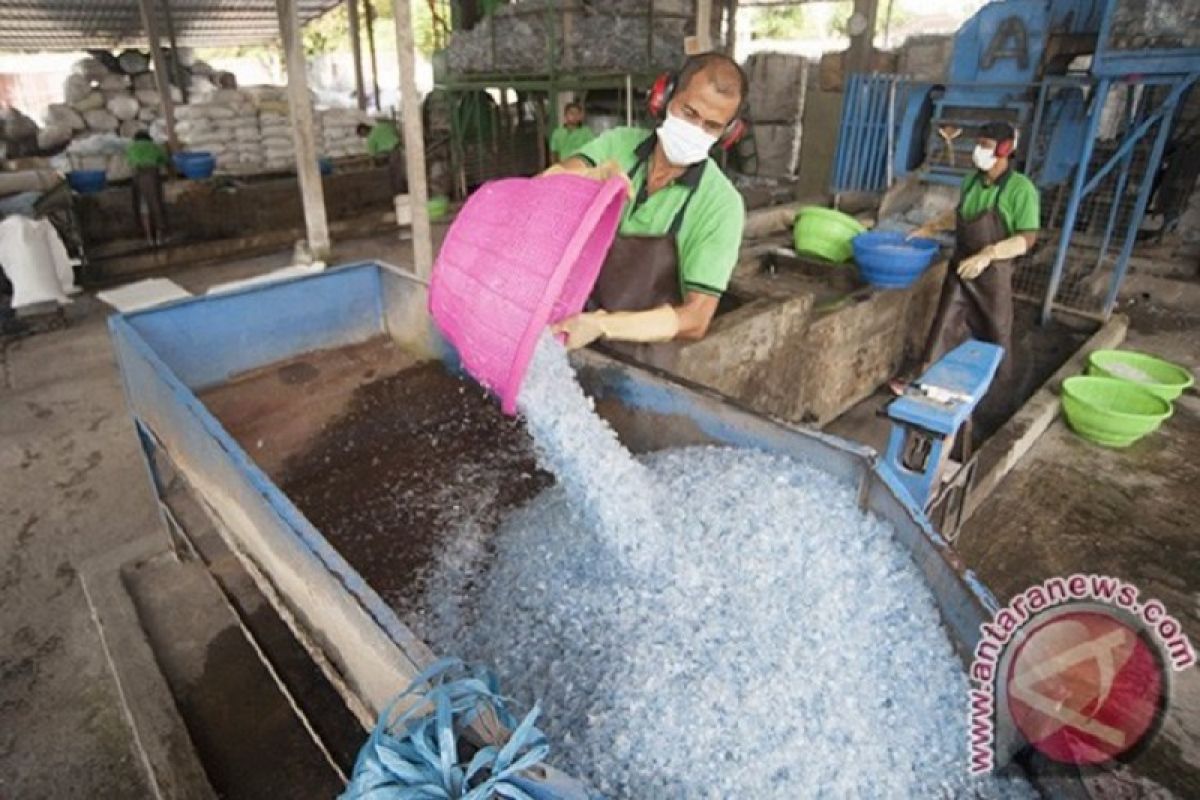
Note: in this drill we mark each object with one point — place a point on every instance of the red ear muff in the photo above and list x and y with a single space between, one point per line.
733 134
660 95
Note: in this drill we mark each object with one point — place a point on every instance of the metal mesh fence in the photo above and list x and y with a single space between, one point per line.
1101 223
1154 24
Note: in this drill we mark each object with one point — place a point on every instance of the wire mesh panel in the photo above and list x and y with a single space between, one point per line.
1105 211
1154 25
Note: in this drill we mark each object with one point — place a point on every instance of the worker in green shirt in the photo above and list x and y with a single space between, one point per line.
996 222
146 159
383 142
680 234
570 137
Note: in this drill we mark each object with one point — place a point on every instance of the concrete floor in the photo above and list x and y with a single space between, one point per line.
1070 507
75 487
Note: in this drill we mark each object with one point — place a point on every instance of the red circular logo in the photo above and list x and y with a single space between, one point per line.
1084 687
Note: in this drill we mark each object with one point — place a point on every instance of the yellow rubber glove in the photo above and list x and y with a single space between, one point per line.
582 329
655 325
971 268
1012 247
600 172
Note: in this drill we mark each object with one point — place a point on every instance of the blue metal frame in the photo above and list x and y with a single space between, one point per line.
967 370
1083 184
165 354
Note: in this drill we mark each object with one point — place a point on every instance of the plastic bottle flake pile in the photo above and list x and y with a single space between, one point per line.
708 622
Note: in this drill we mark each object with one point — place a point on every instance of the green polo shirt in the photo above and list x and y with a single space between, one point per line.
1019 203
142 153
565 142
711 231
383 138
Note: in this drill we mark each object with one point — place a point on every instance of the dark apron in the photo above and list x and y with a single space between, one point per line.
640 273
981 308
148 198
398 171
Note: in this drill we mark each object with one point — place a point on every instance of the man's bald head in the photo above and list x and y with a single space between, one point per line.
719 70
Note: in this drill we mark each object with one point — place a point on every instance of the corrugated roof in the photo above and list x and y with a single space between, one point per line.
37 25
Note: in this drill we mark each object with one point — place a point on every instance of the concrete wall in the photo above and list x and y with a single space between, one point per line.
199 211
784 357
822 113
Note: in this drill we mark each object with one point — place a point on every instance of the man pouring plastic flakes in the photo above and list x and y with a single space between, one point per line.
996 221
680 233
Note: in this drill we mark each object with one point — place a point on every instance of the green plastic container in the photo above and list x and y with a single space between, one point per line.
825 233
1165 379
1111 412
438 207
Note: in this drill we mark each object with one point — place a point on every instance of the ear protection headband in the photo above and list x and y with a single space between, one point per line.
1005 147
664 89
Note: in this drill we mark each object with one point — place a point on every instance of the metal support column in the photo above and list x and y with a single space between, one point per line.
181 75
370 15
858 57
312 193
360 84
414 139
150 23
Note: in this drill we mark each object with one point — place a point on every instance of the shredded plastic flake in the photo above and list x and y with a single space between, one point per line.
708 622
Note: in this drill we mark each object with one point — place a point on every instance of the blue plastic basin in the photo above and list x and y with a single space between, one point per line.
87 181
195 164
890 260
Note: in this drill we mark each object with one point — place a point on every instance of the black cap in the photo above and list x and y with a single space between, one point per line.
997 131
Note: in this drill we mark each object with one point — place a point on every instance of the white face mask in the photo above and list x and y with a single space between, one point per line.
684 143
983 158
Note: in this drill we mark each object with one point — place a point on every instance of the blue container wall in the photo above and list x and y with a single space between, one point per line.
206 340
167 353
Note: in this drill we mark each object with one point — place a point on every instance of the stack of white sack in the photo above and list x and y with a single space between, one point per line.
339 127
274 121
97 99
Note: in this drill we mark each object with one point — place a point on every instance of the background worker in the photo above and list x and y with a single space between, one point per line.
679 236
996 221
147 159
383 143
568 138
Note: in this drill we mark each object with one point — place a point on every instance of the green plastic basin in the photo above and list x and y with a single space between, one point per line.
1163 378
825 233
1111 412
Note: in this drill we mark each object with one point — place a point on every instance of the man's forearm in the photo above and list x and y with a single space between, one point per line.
945 221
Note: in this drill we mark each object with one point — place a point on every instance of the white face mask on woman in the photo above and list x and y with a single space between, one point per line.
984 158
684 143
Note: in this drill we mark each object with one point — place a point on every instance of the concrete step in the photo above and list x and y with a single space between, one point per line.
213 713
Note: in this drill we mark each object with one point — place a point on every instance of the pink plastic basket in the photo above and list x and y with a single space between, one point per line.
522 254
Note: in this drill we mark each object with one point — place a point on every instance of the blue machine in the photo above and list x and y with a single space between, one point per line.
926 421
1092 86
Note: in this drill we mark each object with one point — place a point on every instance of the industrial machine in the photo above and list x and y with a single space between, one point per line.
925 423
1095 89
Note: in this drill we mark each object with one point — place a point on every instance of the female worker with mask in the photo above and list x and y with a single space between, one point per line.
680 233
995 222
